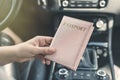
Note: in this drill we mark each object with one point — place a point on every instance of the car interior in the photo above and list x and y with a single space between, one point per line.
21 20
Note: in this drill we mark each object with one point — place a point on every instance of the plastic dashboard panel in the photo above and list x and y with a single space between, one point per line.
113 7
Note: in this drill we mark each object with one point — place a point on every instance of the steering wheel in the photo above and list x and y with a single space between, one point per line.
8 11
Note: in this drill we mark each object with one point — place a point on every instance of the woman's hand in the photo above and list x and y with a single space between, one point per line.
36 47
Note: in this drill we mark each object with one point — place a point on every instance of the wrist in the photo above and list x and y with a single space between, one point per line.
7 54
16 53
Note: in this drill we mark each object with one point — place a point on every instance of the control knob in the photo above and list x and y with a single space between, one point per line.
65 3
102 75
63 73
102 3
100 23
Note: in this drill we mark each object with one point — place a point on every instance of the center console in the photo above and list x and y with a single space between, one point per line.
98 53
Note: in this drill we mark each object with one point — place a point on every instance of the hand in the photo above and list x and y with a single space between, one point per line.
37 47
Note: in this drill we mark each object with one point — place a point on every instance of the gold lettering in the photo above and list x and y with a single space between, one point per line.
75 26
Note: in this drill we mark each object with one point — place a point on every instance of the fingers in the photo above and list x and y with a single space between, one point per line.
41 58
47 62
48 40
42 51
44 61
44 40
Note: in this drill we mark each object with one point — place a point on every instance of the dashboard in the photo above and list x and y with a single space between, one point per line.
99 6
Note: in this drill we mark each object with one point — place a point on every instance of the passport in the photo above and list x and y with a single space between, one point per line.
70 41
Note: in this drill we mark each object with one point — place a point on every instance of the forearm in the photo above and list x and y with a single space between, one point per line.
7 54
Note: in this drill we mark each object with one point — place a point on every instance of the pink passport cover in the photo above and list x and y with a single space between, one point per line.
70 41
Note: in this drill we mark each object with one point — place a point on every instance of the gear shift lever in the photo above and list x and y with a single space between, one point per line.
89 60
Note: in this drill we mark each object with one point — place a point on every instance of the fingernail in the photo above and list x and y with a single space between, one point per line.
52 49
48 62
43 62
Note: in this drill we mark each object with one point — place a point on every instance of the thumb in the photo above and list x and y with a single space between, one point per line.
45 50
